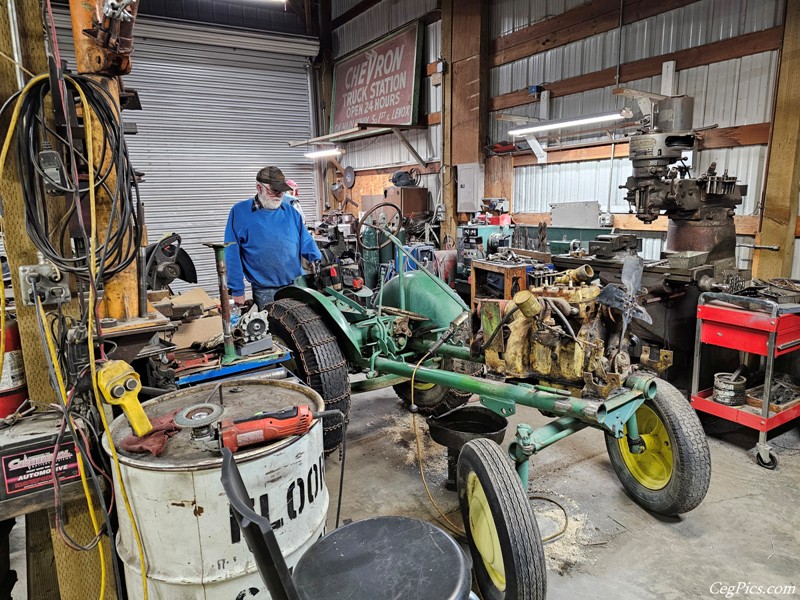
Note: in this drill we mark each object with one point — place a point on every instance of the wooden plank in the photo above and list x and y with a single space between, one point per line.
783 173
597 16
434 118
733 137
450 223
498 178
466 111
574 154
470 85
596 23
745 45
42 577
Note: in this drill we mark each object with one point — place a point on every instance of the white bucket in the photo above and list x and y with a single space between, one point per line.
192 543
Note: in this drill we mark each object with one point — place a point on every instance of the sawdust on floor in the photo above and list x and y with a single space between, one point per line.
569 550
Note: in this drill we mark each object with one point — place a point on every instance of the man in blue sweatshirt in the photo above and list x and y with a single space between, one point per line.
269 240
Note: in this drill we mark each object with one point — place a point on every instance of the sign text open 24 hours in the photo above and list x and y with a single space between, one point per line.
379 83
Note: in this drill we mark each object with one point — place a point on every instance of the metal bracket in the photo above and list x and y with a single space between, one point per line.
537 148
663 363
499 405
409 147
600 389
616 418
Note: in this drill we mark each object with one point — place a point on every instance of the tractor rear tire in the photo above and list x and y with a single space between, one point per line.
435 399
504 540
672 475
318 360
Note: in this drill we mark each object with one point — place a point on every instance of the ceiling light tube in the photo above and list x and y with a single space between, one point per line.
571 122
324 153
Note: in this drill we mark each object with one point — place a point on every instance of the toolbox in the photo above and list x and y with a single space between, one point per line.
26 456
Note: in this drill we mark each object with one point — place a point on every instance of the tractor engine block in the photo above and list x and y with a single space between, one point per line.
559 333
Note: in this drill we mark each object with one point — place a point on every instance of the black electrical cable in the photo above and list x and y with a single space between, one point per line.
85 451
124 232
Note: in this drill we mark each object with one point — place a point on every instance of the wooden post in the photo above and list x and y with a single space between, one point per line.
327 176
79 573
465 47
779 217
121 293
450 222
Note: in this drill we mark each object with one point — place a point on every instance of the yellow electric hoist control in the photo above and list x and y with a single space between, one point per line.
120 385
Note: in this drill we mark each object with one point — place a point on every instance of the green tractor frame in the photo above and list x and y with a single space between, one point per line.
415 333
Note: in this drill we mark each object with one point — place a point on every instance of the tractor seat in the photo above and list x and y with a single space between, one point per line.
382 558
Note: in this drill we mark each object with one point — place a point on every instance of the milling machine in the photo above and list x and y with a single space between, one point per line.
699 251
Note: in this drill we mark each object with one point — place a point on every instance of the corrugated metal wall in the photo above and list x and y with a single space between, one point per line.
386 150
375 22
729 93
217 107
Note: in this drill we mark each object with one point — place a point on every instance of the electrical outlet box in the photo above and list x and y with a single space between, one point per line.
51 285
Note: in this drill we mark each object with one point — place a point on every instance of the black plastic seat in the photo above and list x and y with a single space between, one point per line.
383 558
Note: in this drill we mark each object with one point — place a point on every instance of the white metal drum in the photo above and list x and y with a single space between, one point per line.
192 543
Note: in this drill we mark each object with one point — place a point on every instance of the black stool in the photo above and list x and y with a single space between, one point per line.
376 559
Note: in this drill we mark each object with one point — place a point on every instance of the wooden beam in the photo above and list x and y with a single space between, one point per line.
450 223
779 217
434 118
431 169
744 45
722 137
581 22
756 134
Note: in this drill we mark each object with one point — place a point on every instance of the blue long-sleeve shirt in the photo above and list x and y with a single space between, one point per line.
267 245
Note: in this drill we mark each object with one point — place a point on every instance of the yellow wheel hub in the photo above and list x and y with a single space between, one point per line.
653 467
484 532
422 386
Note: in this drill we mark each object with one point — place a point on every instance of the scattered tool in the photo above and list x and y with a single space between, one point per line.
211 433
120 385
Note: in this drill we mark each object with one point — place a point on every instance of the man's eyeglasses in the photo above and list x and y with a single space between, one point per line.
269 190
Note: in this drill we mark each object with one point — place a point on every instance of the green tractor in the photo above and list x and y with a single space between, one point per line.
561 348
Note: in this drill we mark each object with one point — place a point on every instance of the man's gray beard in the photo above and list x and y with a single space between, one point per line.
268 202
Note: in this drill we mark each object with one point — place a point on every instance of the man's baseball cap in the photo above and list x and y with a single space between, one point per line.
273 177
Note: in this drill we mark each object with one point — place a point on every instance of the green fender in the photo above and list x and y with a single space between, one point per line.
348 336
424 296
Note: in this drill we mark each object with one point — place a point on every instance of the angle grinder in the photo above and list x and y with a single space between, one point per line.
211 432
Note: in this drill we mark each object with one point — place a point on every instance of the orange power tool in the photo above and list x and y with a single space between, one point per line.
211 433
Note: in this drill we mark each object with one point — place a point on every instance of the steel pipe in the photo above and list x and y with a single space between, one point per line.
589 411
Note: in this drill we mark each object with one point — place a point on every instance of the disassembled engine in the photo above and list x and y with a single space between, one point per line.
570 332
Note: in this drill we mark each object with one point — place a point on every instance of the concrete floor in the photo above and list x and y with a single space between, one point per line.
747 529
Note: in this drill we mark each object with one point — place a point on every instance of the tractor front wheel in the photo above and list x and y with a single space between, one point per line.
507 552
318 360
672 475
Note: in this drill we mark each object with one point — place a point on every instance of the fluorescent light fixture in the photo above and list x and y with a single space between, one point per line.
571 122
324 153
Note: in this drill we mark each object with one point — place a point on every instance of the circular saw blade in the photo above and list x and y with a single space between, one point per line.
349 177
